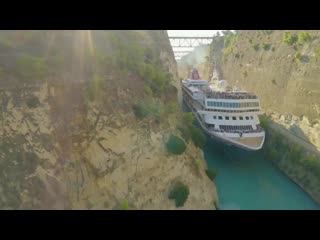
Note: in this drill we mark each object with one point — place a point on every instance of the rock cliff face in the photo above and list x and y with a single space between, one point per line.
69 137
286 77
280 66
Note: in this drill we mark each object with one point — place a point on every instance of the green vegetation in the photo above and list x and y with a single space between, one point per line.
317 52
175 145
154 109
198 164
186 121
33 102
16 165
293 159
245 73
179 193
189 131
94 88
303 37
267 32
124 205
298 55
31 69
156 79
289 38
274 82
266 46
256 46
150 109
211 173
230 40
264 121
148 91
198 137
126 58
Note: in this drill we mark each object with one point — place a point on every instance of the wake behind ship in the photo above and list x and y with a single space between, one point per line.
226 114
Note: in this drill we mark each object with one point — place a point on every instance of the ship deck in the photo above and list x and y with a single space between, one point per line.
250 141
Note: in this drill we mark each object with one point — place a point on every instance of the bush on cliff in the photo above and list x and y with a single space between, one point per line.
289 38
266 46
317 52
256 47
31 69
198 137
179 193
298 55
33 102
303 37
175 145
211 173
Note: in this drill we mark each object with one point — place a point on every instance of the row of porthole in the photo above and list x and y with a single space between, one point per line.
232 105
233 118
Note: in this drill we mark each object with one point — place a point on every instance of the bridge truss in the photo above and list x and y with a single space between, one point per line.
183 45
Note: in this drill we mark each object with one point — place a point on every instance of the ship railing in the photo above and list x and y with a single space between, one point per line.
228 130
225 95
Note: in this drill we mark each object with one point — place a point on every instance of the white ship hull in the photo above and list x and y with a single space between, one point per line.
252 139
224 139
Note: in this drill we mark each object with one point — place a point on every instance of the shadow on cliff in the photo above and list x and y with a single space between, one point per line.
296 135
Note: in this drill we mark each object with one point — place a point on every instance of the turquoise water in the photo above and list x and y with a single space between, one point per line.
248 181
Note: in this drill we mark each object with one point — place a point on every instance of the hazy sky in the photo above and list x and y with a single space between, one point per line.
197 33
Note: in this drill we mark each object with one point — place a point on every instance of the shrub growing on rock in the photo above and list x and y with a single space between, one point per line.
179 193
317 52
140 111
289 38
303 38
198 137
266 46
211 173
33 102
175 145
298 55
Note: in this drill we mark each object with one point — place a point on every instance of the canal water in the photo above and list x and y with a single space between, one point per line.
247 181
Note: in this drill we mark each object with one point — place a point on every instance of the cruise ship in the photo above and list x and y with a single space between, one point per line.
225 113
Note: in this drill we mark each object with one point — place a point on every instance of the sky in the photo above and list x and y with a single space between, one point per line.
197 33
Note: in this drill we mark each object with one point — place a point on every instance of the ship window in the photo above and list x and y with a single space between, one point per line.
220 118
214 117
238 105
227 118
247 118
251 117
241 118
234 118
